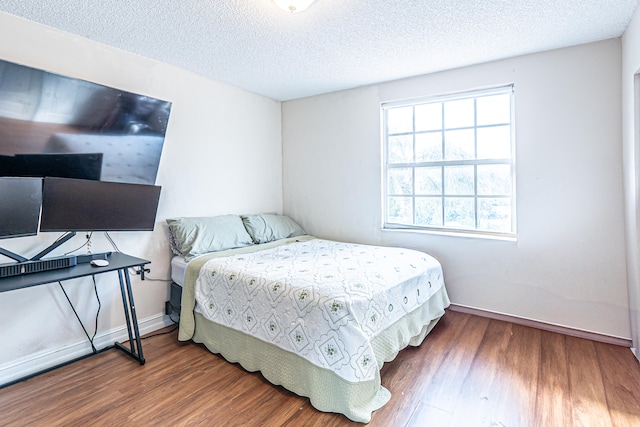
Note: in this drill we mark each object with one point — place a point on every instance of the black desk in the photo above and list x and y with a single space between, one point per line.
117 262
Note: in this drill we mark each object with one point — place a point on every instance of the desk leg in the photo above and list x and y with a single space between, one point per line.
135 345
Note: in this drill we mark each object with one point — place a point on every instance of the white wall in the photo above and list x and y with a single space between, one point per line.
631 130
222 154
568 265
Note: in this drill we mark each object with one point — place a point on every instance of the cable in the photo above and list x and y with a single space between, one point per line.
93 348
86 243
95 291
151 279
175 326
106 233
95 331
175 322
170 314
133 271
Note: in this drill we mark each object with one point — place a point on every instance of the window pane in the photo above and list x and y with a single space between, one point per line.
494 180
494 142
459 144
428 117
449 162
400 149
399 210
429 147
458 114
494 214
429 181
400 120
459 212
459 181
429 211
494 109
400 181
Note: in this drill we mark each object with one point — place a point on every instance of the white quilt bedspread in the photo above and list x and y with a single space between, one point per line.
320 299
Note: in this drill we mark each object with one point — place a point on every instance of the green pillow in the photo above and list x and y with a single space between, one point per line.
193 236
265 228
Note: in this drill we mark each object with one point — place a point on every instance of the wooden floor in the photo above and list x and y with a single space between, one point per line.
470 371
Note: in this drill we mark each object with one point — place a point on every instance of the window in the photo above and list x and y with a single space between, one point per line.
449 163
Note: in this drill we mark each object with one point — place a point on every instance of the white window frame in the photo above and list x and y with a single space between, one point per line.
386 166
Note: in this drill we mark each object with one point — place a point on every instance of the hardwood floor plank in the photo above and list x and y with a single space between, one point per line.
448 378
475 371
473 404
307 416
415 368
553 398
518 373
589 403
427 415
620 384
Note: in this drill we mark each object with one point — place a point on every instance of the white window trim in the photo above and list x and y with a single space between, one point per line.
448 231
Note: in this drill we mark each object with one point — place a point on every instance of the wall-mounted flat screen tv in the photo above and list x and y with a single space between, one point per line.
52 125
20 200
84 205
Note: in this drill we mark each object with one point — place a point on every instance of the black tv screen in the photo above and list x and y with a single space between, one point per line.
47 113
20 200
85 205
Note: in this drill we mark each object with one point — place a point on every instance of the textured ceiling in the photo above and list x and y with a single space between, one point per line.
333 45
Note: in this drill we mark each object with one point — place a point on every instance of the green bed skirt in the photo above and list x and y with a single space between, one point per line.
326 391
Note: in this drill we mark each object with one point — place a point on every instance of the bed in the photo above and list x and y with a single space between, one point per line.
318 317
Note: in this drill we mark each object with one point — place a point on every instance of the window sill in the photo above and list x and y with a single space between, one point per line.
506 237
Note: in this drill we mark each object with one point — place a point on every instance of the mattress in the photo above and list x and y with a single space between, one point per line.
178 269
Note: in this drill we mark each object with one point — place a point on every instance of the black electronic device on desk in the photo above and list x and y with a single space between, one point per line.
116 261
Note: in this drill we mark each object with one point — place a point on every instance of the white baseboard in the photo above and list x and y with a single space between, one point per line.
41 361
594 336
